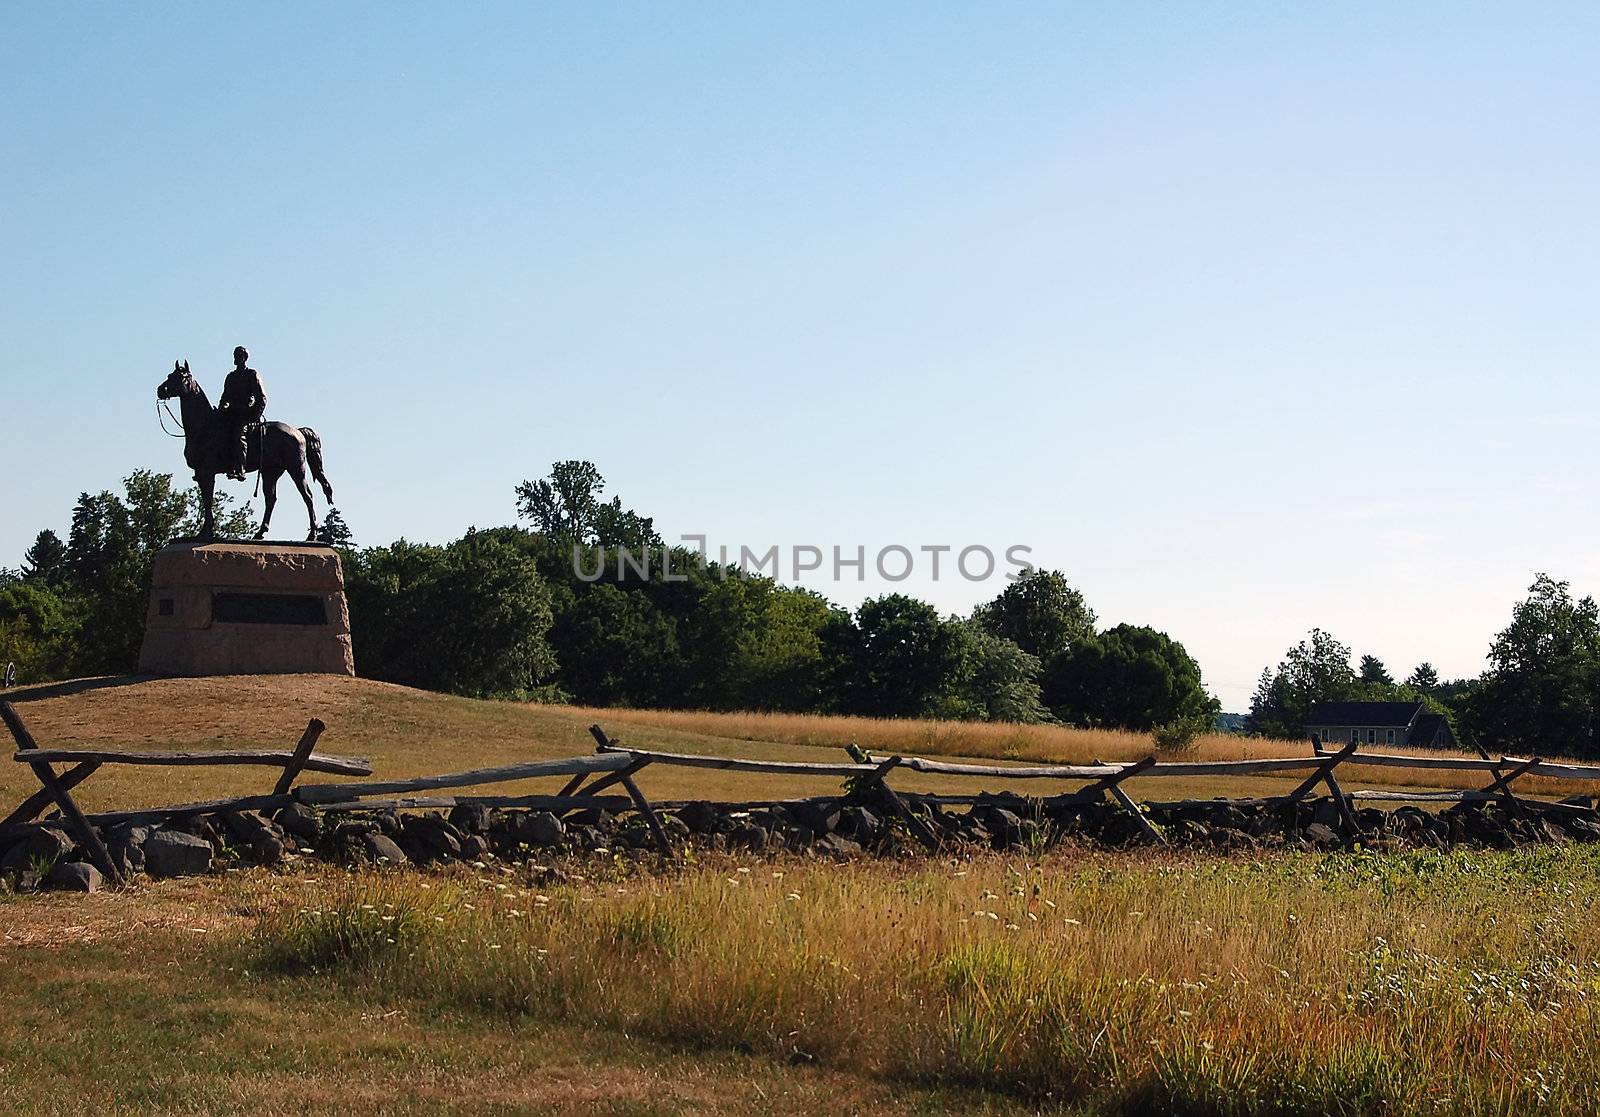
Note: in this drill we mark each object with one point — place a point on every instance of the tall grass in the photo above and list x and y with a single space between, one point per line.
1046 743
1459 983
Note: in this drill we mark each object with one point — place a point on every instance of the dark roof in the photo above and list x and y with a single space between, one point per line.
1374 714
1431 731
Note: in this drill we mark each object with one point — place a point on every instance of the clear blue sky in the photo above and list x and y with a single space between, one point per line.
1248 317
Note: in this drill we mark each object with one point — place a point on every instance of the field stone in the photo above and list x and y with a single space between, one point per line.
832 845
1186 831
264 839
1326 813
1004 825
73 876
376 846
474 847
38 847
1323 836
1553 832
125 844
748 836
542 829
700 817
859 824
429 838
819 818
172 853
470 818
300 821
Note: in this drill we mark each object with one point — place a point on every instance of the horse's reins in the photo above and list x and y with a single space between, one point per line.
160 404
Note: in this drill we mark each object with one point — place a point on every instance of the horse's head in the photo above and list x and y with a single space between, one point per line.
179 382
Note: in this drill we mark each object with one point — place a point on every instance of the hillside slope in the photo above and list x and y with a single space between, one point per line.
410 732
403 731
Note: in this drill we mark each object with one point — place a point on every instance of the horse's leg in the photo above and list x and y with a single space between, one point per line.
208 484
269 486
298 472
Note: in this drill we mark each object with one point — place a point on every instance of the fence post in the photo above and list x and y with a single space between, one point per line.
291 770
1502 784
39 800
642 804
1110 788
47 776
924 833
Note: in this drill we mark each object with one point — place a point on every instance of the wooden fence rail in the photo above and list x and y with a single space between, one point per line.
615 765
57 786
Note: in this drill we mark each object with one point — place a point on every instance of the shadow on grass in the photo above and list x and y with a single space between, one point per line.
72 686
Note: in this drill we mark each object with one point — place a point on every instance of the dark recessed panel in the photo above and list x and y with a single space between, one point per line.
267 608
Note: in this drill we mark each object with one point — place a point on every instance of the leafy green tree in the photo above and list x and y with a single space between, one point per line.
1130 677
753 644
795 659
615 647
37 630
906 658
1541 690
999 681
470 618
1040 613
1424 678
1315 670
567 506
1373 671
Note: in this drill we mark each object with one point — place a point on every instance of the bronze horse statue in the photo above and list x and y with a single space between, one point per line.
277 449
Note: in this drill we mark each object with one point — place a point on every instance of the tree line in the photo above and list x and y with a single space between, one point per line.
512 611
1539 696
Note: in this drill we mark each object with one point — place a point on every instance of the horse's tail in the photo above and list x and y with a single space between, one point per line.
314 460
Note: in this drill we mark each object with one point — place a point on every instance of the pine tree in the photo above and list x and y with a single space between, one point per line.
46 560
335 531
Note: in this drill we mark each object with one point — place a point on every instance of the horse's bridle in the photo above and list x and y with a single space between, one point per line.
162 402
165 405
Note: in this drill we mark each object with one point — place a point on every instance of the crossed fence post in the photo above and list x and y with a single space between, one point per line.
57 786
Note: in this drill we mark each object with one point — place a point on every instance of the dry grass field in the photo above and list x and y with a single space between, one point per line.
408 732
1038 743
1079 982
1082 983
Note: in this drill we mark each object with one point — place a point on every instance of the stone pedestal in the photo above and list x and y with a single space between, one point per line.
247 609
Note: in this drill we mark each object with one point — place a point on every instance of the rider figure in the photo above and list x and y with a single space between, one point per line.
243 402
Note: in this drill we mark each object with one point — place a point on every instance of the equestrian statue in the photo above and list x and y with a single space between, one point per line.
231 439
